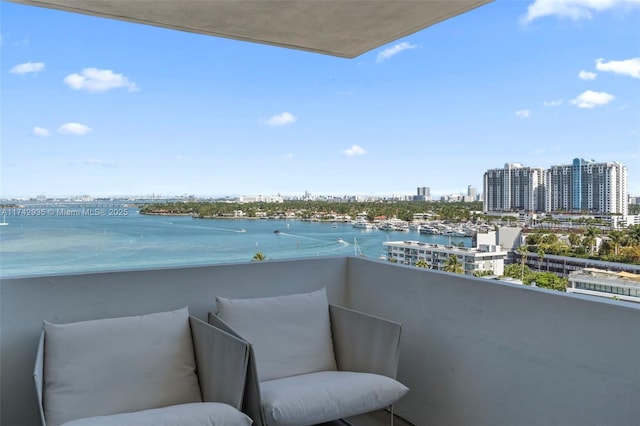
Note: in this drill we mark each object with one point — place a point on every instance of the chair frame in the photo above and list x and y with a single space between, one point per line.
362 343
221 365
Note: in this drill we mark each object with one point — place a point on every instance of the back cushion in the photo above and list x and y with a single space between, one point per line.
290 334
118 365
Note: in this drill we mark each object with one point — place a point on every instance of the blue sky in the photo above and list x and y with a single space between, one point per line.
106 108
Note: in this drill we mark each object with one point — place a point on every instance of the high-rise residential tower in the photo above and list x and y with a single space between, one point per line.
514 188
424 193
587 186
472 192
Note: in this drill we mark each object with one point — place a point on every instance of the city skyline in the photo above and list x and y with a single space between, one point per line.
108 108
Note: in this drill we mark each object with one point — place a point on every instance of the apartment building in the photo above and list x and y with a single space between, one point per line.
483 258
424 193
587 186
582 186
514 187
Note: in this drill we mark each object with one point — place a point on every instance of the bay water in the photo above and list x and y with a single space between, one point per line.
75 238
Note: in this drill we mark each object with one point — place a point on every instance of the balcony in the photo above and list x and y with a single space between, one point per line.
473 351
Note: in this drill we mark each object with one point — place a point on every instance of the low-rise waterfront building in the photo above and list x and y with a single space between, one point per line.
563 266
598 282
484 258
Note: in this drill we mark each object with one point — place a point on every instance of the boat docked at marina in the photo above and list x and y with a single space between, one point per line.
362 224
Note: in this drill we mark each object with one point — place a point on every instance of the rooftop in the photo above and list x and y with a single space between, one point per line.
627 277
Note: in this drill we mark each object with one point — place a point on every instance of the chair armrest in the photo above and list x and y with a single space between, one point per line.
252 404
364 343
38 376
221 363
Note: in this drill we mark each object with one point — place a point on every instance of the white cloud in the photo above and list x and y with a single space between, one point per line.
40 132
27 67
281 119
289 156
591 99
630 67
573 9
74 129
354 150
553 103
392 51
523 113
95 80
586 75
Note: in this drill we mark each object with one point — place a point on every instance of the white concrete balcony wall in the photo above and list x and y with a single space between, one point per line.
478 352
26 302
473 352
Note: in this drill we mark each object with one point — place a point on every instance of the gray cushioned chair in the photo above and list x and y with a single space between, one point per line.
311 362
163 368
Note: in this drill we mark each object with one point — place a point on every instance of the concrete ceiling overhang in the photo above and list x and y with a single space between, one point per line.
345 28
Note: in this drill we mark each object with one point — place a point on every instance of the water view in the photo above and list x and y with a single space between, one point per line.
77 238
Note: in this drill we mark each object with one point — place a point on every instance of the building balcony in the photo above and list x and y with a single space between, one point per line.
473 351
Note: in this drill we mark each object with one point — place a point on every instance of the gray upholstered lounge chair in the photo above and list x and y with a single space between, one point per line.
312 362
164 368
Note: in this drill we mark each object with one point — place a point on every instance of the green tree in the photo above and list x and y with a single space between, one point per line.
259 257
522 251
616 237
548 280
540 254
514 270
452 264
574 239
534 238
633 232
549 239
589 239
421 263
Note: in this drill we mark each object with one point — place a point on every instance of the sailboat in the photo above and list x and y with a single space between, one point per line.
4 220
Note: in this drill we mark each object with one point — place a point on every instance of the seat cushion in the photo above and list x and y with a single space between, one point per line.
324 396
290 334
195 414
118 365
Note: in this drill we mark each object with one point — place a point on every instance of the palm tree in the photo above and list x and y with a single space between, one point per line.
453 265
422 264
633 233
616 238
259 257
574 240
540 254
590 235
522 251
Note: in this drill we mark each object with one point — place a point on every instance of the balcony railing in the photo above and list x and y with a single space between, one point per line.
473 352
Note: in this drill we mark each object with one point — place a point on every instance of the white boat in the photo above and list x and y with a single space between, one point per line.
4 220
341 241
387 227
362 224
429 230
